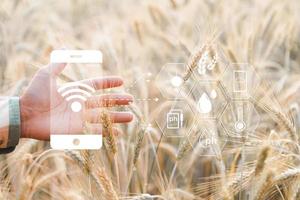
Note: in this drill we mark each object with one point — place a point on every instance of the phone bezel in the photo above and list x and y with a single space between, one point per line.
66 141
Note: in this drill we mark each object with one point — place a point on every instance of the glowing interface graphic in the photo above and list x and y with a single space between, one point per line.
175 119
73 130
216 92
72 92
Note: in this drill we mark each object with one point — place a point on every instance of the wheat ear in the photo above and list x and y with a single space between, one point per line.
107 128
193 61
184 147
107 185
260 164
137 148
266 184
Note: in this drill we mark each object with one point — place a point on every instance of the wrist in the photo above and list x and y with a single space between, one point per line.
24 117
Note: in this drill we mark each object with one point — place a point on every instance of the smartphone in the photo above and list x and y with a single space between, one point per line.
68 94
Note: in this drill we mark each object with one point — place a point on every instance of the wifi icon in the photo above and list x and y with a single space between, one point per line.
72 92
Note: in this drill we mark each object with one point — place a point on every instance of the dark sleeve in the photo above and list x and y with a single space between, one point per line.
7 150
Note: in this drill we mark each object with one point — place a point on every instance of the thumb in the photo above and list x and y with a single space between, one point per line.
56 68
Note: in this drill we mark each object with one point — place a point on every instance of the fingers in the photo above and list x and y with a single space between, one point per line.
93 116
108 100
97 83
104 83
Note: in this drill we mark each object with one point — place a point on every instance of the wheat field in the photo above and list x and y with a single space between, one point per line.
147 42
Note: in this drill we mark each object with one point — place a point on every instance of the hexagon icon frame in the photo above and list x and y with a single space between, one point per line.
211 65
241 80
175 118
170 83
198 139
242 113
203 100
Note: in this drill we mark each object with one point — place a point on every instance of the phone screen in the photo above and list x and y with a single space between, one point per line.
71 90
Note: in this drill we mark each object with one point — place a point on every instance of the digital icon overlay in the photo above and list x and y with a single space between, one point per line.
207 62
206 140
70 93
175 119
176 81
170 81
240 124
209 99
203 136
237 118
205 104
74 132
240 81
211 64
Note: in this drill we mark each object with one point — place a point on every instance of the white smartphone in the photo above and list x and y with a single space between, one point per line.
68 95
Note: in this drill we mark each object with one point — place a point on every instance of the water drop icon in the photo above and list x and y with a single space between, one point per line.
204 104
213 94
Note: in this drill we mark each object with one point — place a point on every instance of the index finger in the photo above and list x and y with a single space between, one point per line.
104 82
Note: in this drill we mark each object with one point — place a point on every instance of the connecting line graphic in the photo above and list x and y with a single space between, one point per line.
149 74
147 99
135 99
146 76
124 99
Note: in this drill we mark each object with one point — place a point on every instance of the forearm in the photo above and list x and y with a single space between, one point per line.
9 123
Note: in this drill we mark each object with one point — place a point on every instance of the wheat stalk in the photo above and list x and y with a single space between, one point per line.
193 61
108 129
106 183
262 157
235 161
266 182
184 147
285 123
137 28
138 144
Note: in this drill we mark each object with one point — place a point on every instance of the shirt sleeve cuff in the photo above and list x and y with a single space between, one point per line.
9 123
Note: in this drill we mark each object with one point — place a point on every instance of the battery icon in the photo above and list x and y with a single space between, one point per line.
240 81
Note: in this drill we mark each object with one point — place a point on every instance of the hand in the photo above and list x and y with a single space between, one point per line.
43 108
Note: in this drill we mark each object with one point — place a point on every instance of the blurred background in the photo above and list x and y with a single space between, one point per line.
148 43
